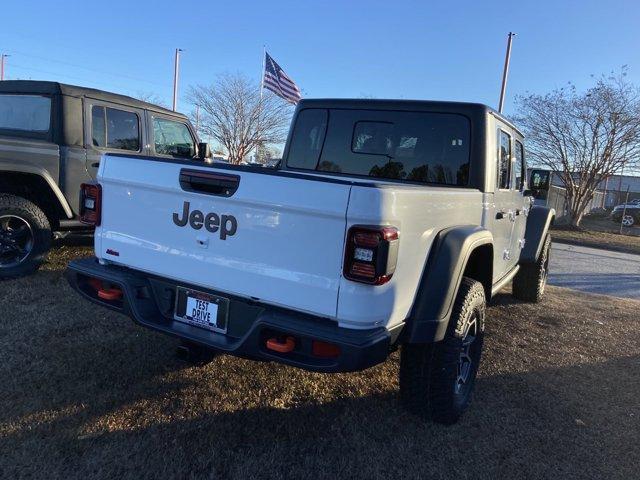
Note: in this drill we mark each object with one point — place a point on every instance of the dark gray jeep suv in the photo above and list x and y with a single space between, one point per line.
52 137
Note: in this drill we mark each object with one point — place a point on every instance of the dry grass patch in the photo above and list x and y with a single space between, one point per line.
88 394
599 232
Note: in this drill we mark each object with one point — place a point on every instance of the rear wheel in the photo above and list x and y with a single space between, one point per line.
530 281
25 236
437 379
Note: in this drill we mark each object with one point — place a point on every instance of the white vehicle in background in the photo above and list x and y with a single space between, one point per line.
387 224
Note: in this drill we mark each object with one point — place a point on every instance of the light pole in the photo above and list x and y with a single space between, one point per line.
176 68
2 57
505 72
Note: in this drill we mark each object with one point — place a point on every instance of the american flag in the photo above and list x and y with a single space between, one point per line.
279 82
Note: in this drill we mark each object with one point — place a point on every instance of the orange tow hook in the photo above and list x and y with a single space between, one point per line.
277 346
110 293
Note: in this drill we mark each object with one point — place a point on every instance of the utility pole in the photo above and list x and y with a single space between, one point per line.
176 68
626 148
2 57
505 72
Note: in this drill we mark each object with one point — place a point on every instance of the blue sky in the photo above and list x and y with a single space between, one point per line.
385 49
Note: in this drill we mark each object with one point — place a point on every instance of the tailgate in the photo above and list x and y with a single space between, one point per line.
278 238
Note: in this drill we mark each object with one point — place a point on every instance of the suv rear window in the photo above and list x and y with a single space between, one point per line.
29 113
414 146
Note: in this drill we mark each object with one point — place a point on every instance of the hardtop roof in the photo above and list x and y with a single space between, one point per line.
469 108
56 88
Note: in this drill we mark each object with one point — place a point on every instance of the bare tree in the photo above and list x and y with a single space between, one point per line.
264 154
233 113
586 137
151 98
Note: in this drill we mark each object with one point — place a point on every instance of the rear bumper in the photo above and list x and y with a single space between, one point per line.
150 300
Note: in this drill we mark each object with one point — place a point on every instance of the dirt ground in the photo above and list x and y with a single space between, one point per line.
85 393
600 232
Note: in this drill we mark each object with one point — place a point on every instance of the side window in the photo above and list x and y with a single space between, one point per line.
308 138
504 159
173 138
27 113
113 128
98 127
123 130
519 166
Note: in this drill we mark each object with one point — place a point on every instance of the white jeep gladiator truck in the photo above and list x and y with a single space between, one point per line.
387 224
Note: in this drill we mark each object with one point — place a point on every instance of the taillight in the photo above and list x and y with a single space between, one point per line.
91 203
371 254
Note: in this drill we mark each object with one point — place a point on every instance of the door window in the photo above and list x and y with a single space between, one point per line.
173 138
113 128
504 159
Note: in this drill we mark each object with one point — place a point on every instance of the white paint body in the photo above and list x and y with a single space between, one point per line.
289 246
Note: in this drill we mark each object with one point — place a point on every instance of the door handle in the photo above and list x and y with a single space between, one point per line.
500 215
517 212
219 184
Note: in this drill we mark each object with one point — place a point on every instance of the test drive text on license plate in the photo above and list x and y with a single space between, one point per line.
201 311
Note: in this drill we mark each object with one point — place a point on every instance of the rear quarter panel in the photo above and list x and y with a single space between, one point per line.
419 212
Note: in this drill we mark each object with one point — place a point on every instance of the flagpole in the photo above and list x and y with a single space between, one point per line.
264 58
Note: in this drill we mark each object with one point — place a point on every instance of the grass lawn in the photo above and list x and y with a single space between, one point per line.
599 233
87 394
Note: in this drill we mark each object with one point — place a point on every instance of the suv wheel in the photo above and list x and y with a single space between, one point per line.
531 280
437 379
628 220
25 236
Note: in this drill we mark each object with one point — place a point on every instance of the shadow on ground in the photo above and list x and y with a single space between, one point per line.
88 394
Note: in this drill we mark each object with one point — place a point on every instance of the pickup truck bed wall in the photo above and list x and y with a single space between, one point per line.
288 236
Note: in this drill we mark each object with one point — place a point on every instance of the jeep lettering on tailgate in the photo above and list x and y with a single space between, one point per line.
226 224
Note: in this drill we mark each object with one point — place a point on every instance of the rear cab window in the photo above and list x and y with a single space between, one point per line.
25 113
424 147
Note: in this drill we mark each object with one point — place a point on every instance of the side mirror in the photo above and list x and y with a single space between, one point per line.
527 193
204 151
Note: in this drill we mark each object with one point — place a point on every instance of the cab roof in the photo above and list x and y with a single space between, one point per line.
56 88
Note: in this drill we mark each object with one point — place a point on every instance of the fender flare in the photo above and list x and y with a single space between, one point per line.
44 174
538 222
440 281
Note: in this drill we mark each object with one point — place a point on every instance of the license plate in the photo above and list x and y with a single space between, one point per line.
202 309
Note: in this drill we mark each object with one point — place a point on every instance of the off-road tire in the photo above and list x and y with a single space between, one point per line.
430 373
40 231
530 281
